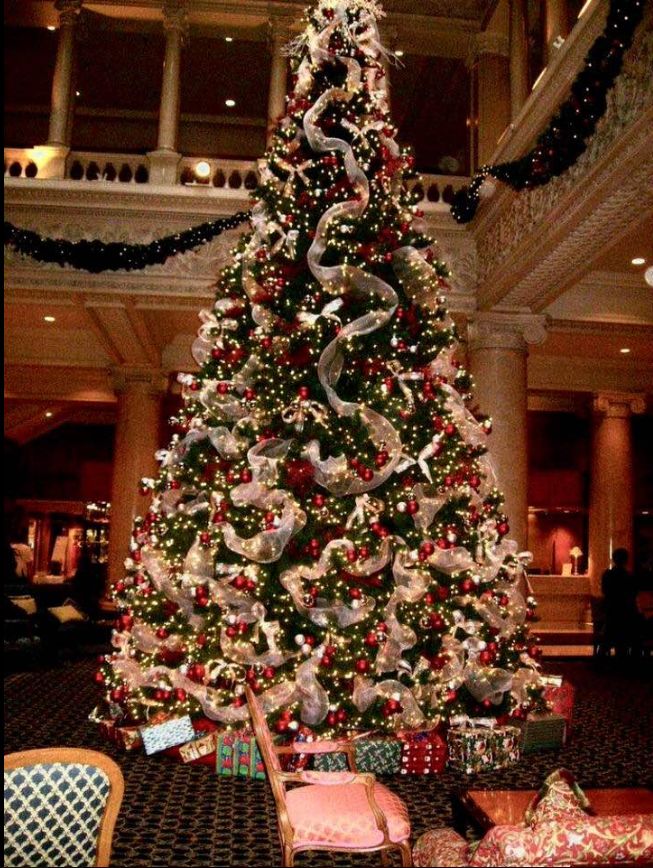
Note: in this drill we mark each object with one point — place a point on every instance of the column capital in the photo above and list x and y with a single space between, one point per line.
279 31
68 11
619 405
508 330
491 42
125 377
175 16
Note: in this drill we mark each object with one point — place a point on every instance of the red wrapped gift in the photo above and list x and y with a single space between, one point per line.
560 697
423 753
203 727
126 737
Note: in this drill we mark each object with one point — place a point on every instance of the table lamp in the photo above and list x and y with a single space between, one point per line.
575 553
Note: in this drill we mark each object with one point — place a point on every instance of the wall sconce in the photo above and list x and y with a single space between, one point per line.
575 554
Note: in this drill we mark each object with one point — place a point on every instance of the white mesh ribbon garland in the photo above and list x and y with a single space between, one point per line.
267 545
160 576
228 444
429 506
492 614
486 683
410 587
243 651
321 611
313 698
211 333
277 696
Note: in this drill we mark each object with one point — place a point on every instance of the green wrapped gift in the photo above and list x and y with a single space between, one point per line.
379 755
237 756
543 732
505 746
471 749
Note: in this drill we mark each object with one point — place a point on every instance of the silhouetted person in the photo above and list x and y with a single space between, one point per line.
623 620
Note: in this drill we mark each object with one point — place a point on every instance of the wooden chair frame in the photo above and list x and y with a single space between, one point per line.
66 755
279 780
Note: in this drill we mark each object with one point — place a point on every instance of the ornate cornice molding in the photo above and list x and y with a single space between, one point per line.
71 210
598 327
532 245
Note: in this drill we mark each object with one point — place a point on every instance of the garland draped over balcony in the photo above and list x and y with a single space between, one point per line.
97 256
565 138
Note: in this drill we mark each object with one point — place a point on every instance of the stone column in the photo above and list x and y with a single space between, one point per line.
498 344
140 392
390 40
493 91
58 145
165 160
611 487
519 87
555 24
278 76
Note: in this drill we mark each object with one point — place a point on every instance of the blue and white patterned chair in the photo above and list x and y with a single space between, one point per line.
61 806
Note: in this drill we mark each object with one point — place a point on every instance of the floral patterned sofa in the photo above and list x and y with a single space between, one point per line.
558 829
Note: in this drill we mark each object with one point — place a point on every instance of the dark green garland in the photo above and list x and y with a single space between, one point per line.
97 256
566 136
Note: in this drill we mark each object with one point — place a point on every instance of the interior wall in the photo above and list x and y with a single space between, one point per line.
73 462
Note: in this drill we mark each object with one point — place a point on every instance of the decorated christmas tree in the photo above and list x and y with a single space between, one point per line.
325 525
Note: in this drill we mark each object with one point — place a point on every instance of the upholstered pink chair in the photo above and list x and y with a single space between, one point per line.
343 811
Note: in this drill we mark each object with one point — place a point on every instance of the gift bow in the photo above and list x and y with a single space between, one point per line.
327 312
293 173
299 410
364 504
403 377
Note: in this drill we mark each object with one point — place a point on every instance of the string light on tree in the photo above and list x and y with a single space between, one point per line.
325 525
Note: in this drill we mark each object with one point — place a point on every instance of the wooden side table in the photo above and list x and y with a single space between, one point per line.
487 808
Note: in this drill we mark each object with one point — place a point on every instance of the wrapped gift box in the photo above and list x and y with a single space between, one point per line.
560 695
126 737
474 749
158 737
470 749
423 753
506 746
201 748
197 751
237 755
543 732
380 755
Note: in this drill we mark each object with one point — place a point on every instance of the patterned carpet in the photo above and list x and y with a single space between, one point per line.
177 815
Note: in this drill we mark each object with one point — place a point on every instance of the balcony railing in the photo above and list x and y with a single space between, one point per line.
223 177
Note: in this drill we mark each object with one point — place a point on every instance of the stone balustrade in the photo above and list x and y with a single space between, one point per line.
21 163
221 176
109 168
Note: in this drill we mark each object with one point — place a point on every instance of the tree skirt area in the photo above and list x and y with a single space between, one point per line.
181 815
